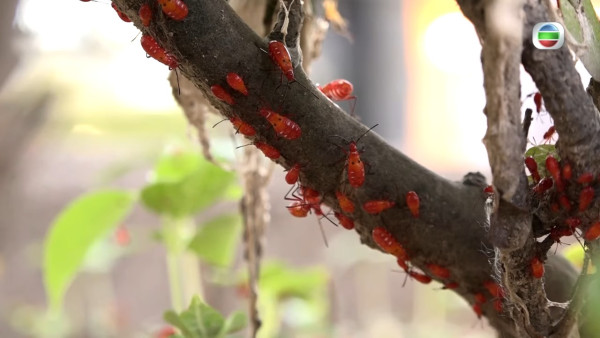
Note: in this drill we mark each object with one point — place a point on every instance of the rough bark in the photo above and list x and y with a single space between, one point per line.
453 226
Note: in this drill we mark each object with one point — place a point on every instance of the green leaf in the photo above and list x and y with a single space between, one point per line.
198 321
175 165
189 195
235 322
74 231
216 241
585 28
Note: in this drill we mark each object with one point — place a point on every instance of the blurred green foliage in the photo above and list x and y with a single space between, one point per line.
200 320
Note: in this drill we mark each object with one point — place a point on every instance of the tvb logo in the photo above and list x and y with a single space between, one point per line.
548 35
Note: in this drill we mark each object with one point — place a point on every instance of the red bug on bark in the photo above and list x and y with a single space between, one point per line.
564 202
269 151
355 166
242 127
121 14
345 203
537 99
567 172
299 209
489 189
339 90
545 184
420 277
413 203
537 268
593 232
388 243
498 305
236 82
480 298
281 57
585 178
344 220
292 175
222 94
450 286
282 125
477 310
438 271
533 168
554 170
374 207
154 50
585 198
494 289
175 9
549 133
145 14
403 264
559 231
573 222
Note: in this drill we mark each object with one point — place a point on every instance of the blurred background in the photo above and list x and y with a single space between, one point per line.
82 108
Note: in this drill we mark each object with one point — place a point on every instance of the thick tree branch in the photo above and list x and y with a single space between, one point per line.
450 232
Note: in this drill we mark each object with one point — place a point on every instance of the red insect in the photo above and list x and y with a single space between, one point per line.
593 232
403 264
537 99
242 127
498 305
311 196
555 207
166 332
533 169
585 178
388 243
292 175
374 207
122 236
489 189
356 167
567 172
438 271
477 309
545 184
554 170
585 198
413 202
494 289
420 277
450 286
480 298
281 57
339 90
564 202
573 222
282 125
344 220
269 151
557 232
236 82
153 49
145 13
175 9
121 14
222 94
537 268
345 203
299 209
549 133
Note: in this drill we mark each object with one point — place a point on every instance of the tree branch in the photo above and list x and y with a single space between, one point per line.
450 232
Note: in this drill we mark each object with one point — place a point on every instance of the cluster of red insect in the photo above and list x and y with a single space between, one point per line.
561 177
480 299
